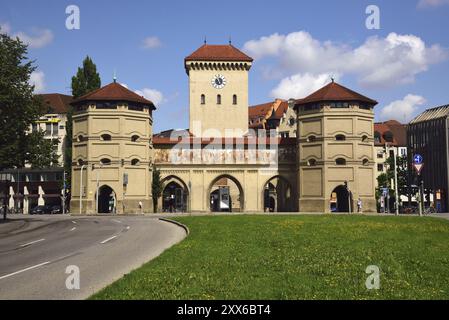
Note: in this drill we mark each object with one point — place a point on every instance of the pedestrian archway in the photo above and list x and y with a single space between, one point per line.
277 195
340 199
175 195
106 200
225 194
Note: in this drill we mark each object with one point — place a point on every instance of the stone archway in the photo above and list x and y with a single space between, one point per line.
175 195
340 199
225 193
277 195
106 200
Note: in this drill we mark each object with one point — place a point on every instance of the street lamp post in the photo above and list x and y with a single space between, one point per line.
81 187
98 187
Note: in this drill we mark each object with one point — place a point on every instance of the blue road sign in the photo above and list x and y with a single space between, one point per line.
417 159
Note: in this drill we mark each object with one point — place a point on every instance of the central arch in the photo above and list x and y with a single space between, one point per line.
225 193
175 195
106 200
277 195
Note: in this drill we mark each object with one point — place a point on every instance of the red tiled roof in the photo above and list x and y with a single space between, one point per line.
113 92
260 110
335 92
218 53
398 131
281 109
58 103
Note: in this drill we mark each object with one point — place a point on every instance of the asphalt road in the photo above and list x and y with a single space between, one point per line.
35 252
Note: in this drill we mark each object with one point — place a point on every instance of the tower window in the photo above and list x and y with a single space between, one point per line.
364 138
218 98
134 138
106 137
365 162
203 99
234 99
135 162
311 162
340 162
311 139
105 161
340 137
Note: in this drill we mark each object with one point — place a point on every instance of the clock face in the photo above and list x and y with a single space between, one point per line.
218 81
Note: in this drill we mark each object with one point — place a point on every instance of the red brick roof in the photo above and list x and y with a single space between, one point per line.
335 92
58 103
218 53
114 92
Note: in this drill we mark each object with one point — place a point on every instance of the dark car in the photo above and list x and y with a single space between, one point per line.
41 210
56 209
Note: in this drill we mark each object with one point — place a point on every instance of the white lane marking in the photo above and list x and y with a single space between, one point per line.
74 222
115 220
73 229
30 243
108 239
23 270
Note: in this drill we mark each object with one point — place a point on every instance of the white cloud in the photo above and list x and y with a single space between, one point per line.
151 42
37 39
299 85
402 110
393 60
37 78
153 95
432 3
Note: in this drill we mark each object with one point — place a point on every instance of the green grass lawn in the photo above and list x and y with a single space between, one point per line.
296 257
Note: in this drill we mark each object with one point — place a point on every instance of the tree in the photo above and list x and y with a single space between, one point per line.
19 107
386 180
156 187
86 80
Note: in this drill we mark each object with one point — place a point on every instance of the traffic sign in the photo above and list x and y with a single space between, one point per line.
417 159
418 167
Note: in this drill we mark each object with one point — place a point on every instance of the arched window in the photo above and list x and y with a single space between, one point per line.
203 99
106 137
340 162
234 99
218 98
134 138
311 139
311 162
80 138
340 137
80 162
105 161
364 138
365 162
135 162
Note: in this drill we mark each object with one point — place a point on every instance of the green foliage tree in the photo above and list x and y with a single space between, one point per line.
19 108
385 179
86 80
156 187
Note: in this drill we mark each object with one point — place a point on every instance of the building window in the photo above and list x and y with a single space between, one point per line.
380 154
55 129
364 138
105 161
106 137
234 99
81 138
203 99
311 139
34 127
380 167
311 162
80 162
285 134
365 162
134 138
135 162
340 137
48 129
340 162
218 98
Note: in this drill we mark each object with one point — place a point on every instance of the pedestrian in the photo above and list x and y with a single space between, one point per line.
359 205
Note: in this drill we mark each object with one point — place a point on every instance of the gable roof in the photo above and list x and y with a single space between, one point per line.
397 130
334 92
209 52
58 103
114 92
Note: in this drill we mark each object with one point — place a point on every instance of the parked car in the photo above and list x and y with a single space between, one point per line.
56 209
41 210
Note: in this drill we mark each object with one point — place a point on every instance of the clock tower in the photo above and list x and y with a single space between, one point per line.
218 91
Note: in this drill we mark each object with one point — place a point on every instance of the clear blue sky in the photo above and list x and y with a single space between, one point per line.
113 34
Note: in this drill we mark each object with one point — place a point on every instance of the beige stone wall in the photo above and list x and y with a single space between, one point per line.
284 124
89 148
211 119
319 149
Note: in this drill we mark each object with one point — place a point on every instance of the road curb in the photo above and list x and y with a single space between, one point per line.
179 224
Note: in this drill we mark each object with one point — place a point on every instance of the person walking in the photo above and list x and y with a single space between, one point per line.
359 205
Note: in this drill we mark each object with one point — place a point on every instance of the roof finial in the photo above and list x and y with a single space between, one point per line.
332 78
115 76
230 40
205 40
